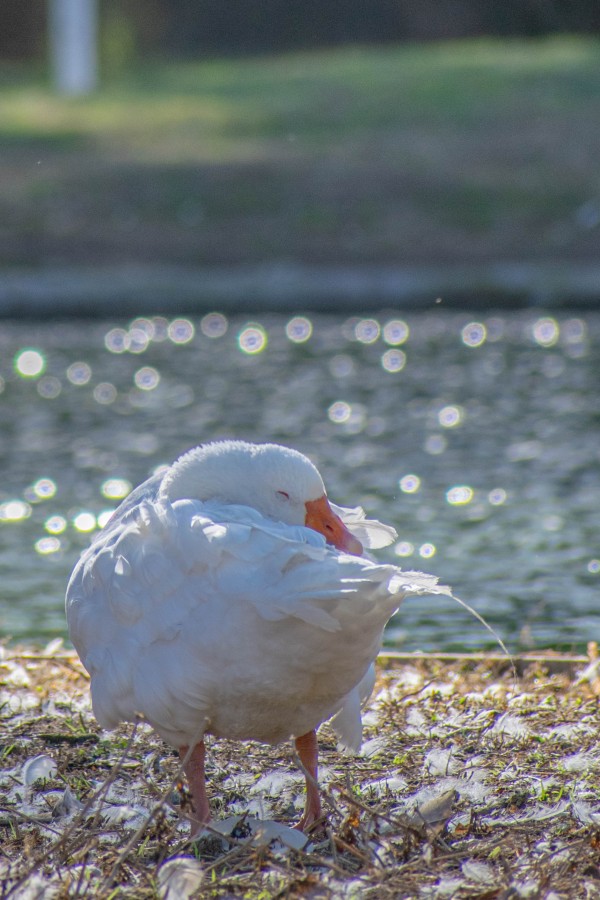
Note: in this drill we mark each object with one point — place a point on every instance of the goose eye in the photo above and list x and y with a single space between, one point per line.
283 495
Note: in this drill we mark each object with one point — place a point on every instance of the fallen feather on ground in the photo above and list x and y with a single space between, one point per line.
179 878
39 768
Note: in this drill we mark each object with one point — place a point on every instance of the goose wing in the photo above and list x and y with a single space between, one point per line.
206 616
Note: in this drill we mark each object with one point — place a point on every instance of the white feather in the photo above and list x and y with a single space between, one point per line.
372 534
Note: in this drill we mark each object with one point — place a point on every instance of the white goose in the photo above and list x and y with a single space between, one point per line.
228 596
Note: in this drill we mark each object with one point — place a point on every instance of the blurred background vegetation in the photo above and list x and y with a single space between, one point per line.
325 132
135 28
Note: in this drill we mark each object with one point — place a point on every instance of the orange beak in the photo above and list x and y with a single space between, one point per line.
321 517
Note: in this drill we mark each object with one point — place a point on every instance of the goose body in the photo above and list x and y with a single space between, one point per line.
227 596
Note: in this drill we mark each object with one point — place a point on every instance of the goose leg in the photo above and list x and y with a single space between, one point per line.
308 751
194 771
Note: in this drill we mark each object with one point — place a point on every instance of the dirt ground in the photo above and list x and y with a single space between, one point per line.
476 780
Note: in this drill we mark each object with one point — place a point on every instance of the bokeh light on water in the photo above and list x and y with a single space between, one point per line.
393 360
29 363
396 332
367 331
474 334
214 325
478 438
252 339
299 329
116 488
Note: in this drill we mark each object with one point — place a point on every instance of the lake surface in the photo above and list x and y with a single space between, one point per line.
477 438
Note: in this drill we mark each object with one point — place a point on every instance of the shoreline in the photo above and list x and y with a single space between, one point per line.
97 291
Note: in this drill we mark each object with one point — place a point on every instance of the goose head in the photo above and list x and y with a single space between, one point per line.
280 483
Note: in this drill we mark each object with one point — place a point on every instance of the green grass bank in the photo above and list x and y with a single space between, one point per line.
471 152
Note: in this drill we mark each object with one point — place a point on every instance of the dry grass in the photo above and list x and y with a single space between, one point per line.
471 783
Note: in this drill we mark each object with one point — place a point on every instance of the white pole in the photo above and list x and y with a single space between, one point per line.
73 45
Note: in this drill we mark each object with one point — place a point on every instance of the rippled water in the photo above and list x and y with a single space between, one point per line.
478 439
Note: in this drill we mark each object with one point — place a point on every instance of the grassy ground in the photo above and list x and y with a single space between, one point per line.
471 784
470 151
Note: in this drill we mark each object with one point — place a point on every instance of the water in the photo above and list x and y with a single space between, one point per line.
479 439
